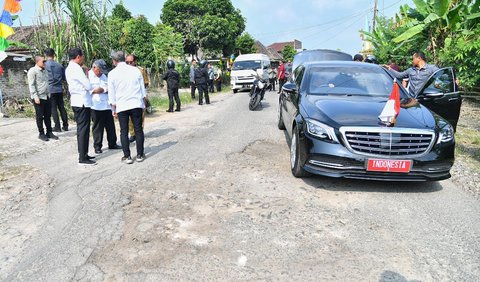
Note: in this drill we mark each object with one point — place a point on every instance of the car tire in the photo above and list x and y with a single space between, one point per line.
280 123
235 91
297 156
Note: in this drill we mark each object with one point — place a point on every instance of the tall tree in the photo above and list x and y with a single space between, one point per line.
288 53
212 25
245 44
137 39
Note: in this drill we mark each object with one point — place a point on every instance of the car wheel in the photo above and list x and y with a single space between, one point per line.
280 123
235 91
297 156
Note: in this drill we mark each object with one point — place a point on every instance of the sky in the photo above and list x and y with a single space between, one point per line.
318 24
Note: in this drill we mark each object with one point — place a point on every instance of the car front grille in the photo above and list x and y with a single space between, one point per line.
388 141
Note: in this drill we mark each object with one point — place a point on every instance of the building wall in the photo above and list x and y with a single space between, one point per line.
13 83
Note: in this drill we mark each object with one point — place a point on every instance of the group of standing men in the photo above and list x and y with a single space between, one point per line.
92 96
204 77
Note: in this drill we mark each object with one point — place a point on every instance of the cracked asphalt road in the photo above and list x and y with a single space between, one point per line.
215 200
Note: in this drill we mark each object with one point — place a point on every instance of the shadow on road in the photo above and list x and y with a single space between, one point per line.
151 151
158 132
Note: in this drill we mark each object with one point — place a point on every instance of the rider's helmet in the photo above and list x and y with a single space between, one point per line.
170 64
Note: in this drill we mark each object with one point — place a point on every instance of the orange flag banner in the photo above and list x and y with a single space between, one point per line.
12 6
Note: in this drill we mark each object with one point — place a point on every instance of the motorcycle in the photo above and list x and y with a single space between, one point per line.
257 92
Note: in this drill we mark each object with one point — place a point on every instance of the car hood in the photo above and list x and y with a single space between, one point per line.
364 111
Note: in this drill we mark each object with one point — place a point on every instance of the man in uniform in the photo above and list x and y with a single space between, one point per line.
201 79
173 80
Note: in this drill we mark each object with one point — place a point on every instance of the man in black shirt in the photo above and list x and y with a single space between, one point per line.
201 79
173 80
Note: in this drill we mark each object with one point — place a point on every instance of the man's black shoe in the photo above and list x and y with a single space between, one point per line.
169 111
90 157
98 151
65 128
200 103
131 139
177 110
115 147
43 137
56 129
87 162
52 136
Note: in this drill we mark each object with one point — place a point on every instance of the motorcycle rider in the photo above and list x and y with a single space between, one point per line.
173 80
201 79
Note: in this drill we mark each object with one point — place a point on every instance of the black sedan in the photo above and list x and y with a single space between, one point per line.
331 116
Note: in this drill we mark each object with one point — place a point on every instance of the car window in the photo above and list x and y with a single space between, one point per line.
299 75
247 65
349 81
441 81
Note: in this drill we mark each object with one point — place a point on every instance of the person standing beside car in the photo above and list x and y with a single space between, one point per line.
211 78
418 74
281 76
218 78
38 86
272 76
56 76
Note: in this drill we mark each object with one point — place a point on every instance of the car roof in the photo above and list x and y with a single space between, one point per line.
319 55
341 63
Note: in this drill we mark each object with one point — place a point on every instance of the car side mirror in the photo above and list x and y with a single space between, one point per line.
290 88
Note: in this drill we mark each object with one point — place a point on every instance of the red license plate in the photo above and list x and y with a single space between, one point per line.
389 165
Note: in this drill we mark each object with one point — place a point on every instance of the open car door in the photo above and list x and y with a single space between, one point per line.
441 95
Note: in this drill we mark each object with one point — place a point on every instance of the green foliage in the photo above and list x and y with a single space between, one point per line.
137 39
244 44
448 31
74 23
288 53
120 12
212 25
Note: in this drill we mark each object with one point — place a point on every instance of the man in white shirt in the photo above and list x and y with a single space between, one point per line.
101 109
81 101
126 93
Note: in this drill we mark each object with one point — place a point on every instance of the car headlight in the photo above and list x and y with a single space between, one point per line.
446 134
233 78
321 130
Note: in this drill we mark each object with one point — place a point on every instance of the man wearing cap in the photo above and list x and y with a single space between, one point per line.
56 76
81 101
101 109
38 86
126 93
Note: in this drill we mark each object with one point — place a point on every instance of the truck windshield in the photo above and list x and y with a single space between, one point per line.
247 65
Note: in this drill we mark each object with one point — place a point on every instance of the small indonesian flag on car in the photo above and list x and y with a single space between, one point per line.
392 108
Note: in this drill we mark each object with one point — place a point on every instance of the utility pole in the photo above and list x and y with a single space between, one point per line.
375 10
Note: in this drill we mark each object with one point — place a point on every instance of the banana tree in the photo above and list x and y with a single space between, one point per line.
434 19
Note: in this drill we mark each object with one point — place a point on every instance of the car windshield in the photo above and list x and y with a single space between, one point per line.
352 81
247 65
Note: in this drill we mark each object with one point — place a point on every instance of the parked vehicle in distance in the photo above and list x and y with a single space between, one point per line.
330 113
258 91
319 55
244 70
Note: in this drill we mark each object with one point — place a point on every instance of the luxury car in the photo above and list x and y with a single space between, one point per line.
331 116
